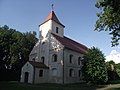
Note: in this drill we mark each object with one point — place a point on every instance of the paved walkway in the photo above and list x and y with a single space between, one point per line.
110 86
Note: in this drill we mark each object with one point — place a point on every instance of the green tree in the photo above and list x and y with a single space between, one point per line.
94 68
110 65
109 18
118 68
15 48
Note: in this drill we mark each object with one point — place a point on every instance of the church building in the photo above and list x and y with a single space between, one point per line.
55 58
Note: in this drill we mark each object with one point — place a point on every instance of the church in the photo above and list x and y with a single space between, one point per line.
55 58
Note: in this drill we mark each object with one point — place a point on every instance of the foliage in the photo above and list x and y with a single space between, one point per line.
14 50
109 18
110 65
112 71
118 68
94 69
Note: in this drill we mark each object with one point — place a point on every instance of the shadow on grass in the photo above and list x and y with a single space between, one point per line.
22 86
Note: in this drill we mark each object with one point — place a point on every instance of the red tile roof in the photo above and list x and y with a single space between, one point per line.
53 17
38 64
71 44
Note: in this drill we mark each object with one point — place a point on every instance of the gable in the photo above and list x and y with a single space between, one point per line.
27 67
55 44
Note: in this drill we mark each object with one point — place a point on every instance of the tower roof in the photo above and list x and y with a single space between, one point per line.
52 16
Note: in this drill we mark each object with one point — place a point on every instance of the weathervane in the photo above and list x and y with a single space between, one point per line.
52 7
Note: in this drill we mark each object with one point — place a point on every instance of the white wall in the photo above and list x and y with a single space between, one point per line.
27 68
43 79
44 28
50 26
55 48
35 52
74 65
60 29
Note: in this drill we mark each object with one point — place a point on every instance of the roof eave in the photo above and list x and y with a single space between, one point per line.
54 21
81 52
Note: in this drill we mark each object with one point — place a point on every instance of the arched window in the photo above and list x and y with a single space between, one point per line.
71 73
57 29
70 58
42 59
54 58
54 72
41 73
79 61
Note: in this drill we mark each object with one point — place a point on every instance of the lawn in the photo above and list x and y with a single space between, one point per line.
21 86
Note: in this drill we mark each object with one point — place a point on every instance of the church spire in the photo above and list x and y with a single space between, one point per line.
52 16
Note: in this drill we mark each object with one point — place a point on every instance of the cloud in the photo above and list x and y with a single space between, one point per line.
114 55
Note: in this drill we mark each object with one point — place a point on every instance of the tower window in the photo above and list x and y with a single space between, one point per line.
54 58
41 73
57 29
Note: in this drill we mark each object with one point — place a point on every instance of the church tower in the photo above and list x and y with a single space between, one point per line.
51 25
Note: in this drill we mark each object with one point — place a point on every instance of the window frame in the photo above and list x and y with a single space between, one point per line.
54 57
43 59
57 30
80 61
71 72
70 58
41 73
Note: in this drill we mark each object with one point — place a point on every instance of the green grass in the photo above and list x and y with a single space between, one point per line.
22 86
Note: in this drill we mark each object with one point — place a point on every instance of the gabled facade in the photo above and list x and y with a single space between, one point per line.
55 58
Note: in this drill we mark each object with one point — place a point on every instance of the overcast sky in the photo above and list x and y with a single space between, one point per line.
78 16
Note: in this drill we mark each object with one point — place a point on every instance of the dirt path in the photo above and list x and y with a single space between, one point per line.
110 87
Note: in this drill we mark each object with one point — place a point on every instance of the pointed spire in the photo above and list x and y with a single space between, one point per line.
53 17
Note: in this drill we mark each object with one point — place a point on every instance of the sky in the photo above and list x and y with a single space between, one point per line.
78 16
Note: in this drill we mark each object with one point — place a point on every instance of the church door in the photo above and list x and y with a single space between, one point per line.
26 77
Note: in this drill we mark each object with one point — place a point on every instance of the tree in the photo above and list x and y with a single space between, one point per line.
94 68
111 69
109 19
15 48
118 68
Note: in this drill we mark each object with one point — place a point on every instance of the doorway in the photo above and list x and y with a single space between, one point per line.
26 77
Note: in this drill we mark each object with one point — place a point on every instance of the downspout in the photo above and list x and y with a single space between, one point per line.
33 74
63 65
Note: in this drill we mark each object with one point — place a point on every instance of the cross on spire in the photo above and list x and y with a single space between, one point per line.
52 7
